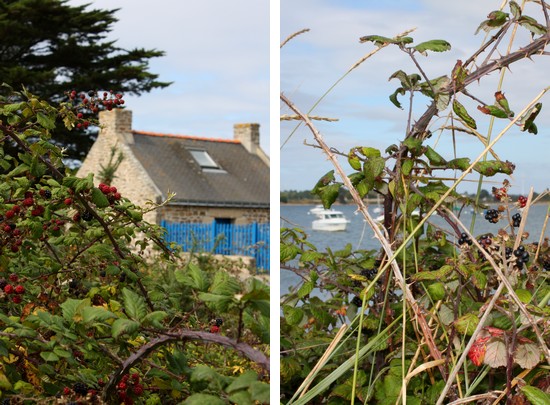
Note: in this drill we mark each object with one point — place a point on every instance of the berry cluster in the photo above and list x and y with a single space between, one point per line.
215 325
110 192
369 273
546 265
464 239
522 201
492 216
485 240
129 387
357 301
16 291
92 101
516 220
522 256
500 193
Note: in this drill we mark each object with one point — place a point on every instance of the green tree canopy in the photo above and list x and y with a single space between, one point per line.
51 48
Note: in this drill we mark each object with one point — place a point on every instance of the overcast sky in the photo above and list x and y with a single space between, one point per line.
313 61
217 55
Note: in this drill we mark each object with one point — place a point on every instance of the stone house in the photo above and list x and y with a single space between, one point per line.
222 180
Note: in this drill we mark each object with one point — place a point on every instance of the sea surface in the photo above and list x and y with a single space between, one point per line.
359 234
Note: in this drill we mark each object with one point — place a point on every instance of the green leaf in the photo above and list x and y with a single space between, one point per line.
495 19
379 40
408 82
535 395
435 158
99 199
463 114
524 295
515 9
374 167
532 25
527 121
193 277
407 166
242 382
96 314
493 110
306 288
393 97
414 145
467 323
288 252
123 326
435 45
329 194
45 121
370 152
201 399
354 161
259 391
293 315
49 356
134 304
363 187
69 308
459 163
492 167
155 319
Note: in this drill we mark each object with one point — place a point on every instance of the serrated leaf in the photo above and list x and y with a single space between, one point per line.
408 82
193 277
99 199
201 399
293 315
524 296
379 40
123 326
69 309
442 100
467 323
259 391
460 110
479 279
370 152
527 121
311 256
155 319
535 395
45 121
407 166
374 167
49 356
532 25
515 9
435 45
414 145
493 110
134 304
435 158
393 97
96 314
492 167
433 275
495 355
242 382
354 162
459 163
527 355
329 194
363 187
288 252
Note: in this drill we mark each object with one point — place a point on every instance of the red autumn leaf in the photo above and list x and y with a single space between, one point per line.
477 351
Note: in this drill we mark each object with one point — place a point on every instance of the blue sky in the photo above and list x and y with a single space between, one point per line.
217 55
313 61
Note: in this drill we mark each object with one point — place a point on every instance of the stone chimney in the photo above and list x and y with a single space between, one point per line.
249 135
117 124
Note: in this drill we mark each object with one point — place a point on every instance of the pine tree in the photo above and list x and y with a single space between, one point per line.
51 48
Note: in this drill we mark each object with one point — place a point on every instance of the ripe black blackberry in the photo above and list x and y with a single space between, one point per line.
464 239
369 273
508 252
87 216
516 220
80 388
357 301
546 265
492 216
219 322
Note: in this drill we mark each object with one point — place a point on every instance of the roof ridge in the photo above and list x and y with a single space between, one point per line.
197 138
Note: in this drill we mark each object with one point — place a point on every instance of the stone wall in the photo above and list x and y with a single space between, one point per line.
205 215
131 179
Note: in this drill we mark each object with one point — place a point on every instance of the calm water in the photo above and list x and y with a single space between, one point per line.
359 234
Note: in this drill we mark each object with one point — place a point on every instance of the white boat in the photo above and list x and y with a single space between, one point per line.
328 220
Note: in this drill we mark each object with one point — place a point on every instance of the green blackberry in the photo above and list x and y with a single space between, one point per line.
80 388
492 216
87 216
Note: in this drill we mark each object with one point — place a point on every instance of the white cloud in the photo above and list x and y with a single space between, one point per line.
217 55
313 61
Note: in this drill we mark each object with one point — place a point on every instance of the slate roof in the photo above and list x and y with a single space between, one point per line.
243 182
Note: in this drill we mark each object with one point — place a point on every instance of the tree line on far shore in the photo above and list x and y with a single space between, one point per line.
308 197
